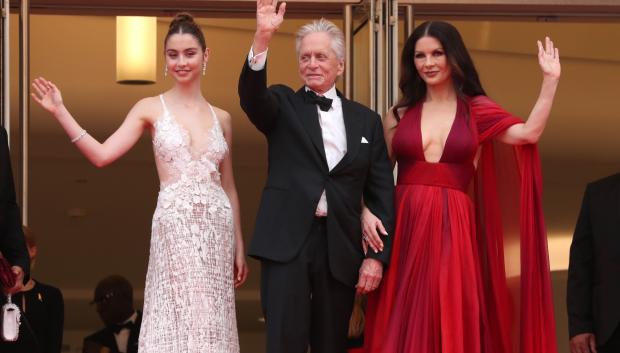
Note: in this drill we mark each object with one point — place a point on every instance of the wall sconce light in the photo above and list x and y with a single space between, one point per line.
136 46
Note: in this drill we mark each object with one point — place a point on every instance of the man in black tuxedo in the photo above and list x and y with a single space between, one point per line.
12 244
327 157
594 271
114 300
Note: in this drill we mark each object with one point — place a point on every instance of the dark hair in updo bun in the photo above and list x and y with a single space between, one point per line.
182 23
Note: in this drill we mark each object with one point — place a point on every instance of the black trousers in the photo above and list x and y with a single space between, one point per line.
613 344
303 304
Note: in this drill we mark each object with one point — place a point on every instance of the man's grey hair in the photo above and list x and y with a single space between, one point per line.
328 27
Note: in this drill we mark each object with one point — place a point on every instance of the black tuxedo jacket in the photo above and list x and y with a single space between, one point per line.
12 243
594 267
105 338
298 174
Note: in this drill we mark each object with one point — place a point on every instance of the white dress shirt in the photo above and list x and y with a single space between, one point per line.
331 122
257 62
334 138
122 337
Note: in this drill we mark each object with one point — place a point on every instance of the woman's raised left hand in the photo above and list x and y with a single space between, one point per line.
549 59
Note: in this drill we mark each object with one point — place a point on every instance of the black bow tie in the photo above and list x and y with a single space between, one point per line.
323 102
118 327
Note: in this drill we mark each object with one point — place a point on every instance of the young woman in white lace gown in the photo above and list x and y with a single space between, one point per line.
197 255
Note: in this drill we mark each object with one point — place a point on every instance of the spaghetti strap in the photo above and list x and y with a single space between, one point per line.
216 121
163 103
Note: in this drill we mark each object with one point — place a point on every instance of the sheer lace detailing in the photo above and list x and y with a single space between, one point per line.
172 145
189 302
188 178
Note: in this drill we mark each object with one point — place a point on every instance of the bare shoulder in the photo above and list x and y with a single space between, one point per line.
222 116
148 109
148 102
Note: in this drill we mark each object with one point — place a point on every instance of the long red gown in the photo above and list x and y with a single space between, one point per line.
447 288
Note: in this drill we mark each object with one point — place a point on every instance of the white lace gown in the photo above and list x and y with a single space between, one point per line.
189 302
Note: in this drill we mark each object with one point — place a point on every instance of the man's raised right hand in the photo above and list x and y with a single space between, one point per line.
268 20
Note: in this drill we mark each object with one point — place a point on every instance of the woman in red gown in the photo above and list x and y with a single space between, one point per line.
466 169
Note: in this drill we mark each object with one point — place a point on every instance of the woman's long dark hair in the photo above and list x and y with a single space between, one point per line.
464 74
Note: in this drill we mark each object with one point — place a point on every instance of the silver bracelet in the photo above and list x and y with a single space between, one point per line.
78 137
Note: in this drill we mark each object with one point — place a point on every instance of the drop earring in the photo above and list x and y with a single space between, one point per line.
165 71
204 69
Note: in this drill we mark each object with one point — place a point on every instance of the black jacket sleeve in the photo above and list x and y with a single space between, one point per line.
12 242
257 101
580 269
379 191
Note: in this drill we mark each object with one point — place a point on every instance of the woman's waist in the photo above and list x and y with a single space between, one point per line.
192 194
449 175
183 184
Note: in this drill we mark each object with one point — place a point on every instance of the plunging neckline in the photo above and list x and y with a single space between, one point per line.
194 154
445 143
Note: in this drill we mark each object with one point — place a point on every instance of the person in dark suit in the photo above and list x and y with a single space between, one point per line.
42 312
12 244
327 157
114 300
594 271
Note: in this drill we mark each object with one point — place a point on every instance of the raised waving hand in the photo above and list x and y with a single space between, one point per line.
530 132
46 94
549 59
268 16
